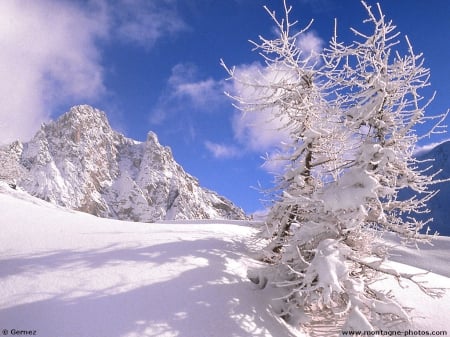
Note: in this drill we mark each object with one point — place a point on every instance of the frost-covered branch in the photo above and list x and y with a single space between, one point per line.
350 173
376 266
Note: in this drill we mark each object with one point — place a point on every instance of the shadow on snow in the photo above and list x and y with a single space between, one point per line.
205 301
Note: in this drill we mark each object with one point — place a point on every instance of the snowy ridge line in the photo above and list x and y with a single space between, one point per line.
19 193
23 195
78 161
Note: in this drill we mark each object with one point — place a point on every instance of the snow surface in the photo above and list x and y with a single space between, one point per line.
65 273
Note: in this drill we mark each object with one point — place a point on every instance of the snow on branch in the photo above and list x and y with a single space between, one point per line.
350 175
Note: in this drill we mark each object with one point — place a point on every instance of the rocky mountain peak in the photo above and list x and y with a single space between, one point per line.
84 115
80 162
152 137
81 122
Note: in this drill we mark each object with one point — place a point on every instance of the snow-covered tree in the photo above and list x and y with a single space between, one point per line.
350 113
381 104
290 88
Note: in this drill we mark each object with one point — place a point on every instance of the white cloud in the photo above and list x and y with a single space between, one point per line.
310 44
260 130
201 93
263 129
222 150
186 91
257 131
143 22
48 55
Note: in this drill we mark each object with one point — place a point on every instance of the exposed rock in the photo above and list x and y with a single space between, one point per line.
79 162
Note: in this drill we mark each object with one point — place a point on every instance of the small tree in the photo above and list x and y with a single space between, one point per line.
351 115
291 88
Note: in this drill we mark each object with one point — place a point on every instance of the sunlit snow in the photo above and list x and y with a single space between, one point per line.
65 273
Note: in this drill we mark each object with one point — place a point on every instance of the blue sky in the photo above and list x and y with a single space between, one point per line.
154 65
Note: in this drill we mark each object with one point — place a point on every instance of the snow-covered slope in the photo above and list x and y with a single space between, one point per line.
79 162
70 274
439 205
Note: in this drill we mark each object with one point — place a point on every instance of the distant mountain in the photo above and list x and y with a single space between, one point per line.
440 204
80 162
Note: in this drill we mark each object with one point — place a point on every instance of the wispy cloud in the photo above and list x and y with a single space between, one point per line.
187 90
310 44
48 55
260 130
202 93
143 22
264 129
50 52
223 151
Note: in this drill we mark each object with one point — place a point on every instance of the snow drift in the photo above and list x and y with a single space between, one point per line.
70 274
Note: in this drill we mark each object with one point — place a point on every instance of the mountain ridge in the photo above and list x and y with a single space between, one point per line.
438 159
78 161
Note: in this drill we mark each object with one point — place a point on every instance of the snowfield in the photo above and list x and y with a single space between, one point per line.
65 273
